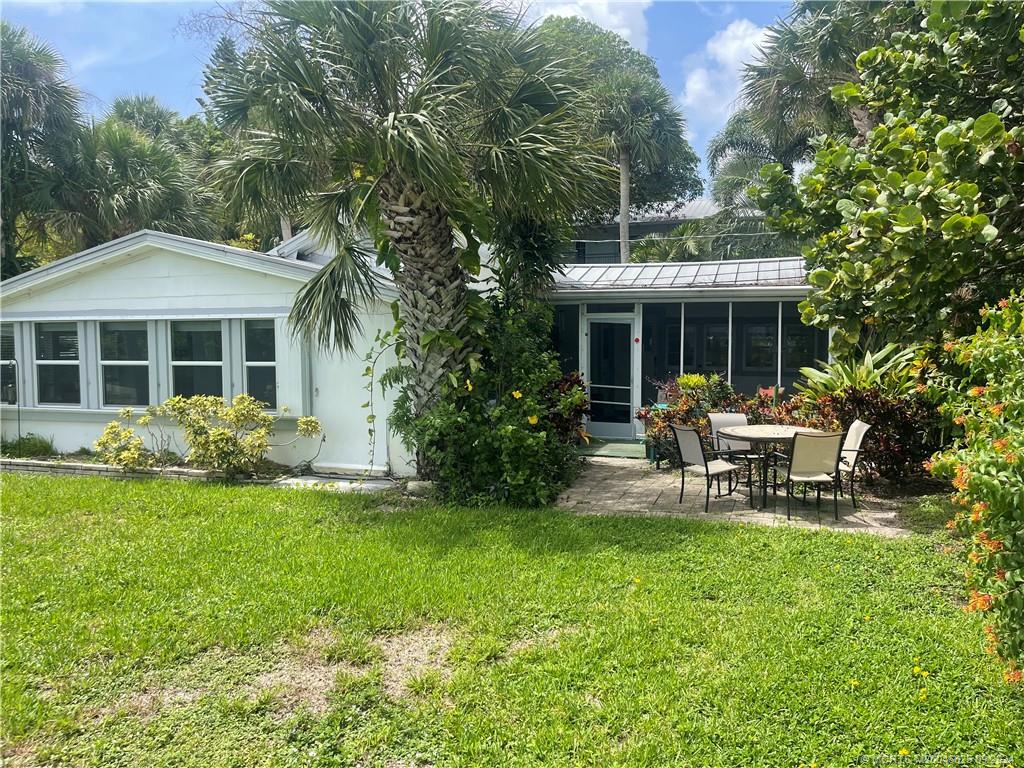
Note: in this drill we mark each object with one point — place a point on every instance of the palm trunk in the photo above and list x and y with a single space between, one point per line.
624 204
431 289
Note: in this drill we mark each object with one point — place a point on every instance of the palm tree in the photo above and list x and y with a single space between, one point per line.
737 152
39 112
687 241
428 121
639 117
112 181
803 57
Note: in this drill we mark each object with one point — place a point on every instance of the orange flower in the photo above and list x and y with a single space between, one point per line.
1001 444
978 601
959 420
1011 458
977 391
1000 574
992 638
1012 676
951 524
1004 303
992 545
921 388
949 346
974 556
996 409
977 511
927 464
962 477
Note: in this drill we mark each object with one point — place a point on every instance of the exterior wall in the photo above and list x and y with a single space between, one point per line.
158 286
606 250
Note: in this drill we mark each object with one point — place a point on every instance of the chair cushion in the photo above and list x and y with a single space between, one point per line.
715 467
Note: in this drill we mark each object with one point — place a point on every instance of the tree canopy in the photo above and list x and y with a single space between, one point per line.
920 224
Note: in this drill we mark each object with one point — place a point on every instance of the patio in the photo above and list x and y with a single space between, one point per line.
623 486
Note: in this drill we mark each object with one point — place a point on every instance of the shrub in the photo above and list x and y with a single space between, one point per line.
690 398
890 370
507 433
29 446
985 395
905 429
121 447
233 438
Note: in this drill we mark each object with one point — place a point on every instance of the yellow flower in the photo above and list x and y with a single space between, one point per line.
917 670
531 419
855 683
469 385
517 394
924 673
868 617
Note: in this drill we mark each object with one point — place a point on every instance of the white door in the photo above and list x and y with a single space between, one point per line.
610 375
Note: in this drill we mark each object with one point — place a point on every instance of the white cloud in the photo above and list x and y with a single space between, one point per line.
627 19
712 77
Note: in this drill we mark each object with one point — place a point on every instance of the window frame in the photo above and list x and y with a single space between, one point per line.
77 363
247 364
101 362
12 361
224 364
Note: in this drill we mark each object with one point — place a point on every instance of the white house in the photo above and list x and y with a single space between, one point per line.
151 315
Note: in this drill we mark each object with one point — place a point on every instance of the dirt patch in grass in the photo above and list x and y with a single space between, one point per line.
412 656
303 677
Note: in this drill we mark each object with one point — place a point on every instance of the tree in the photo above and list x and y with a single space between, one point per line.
920 225
114 180
39 111
635 114
687 241
430 122
738 151
787 88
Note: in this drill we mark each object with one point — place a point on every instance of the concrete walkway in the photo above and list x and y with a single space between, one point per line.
617 486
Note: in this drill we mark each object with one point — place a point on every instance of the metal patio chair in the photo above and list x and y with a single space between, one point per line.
737 450
850 453
813 460
694 459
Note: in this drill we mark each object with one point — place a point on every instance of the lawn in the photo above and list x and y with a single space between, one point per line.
162 623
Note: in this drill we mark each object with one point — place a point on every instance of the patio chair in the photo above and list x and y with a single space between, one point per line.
737 450
694 460
813 460
850 453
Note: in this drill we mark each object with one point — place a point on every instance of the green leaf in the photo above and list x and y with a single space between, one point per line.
988 234
821 278
948 137
989 129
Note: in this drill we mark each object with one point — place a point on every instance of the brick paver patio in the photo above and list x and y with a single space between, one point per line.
615 486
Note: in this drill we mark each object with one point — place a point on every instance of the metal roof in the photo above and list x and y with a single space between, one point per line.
668 276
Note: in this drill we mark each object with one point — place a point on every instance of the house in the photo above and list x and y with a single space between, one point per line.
627 326
151 315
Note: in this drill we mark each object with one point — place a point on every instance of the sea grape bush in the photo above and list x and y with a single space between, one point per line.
985 396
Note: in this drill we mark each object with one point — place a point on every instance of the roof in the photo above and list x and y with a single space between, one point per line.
270 263
786 273
307 249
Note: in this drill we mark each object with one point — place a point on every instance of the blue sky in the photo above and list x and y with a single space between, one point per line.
116 49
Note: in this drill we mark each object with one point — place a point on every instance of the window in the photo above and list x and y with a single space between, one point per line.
197 358
8 366
124 359
260 361
57 371
565 333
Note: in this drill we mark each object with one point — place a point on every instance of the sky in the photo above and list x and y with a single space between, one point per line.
125 48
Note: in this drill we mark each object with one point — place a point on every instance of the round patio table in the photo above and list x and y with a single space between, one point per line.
763 438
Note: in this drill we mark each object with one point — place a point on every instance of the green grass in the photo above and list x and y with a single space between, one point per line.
654 641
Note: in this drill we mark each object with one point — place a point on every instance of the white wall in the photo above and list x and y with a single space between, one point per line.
157 285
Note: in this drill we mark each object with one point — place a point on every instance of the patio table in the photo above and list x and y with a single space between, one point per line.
763 438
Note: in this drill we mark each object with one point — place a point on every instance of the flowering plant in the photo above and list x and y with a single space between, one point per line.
985 383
